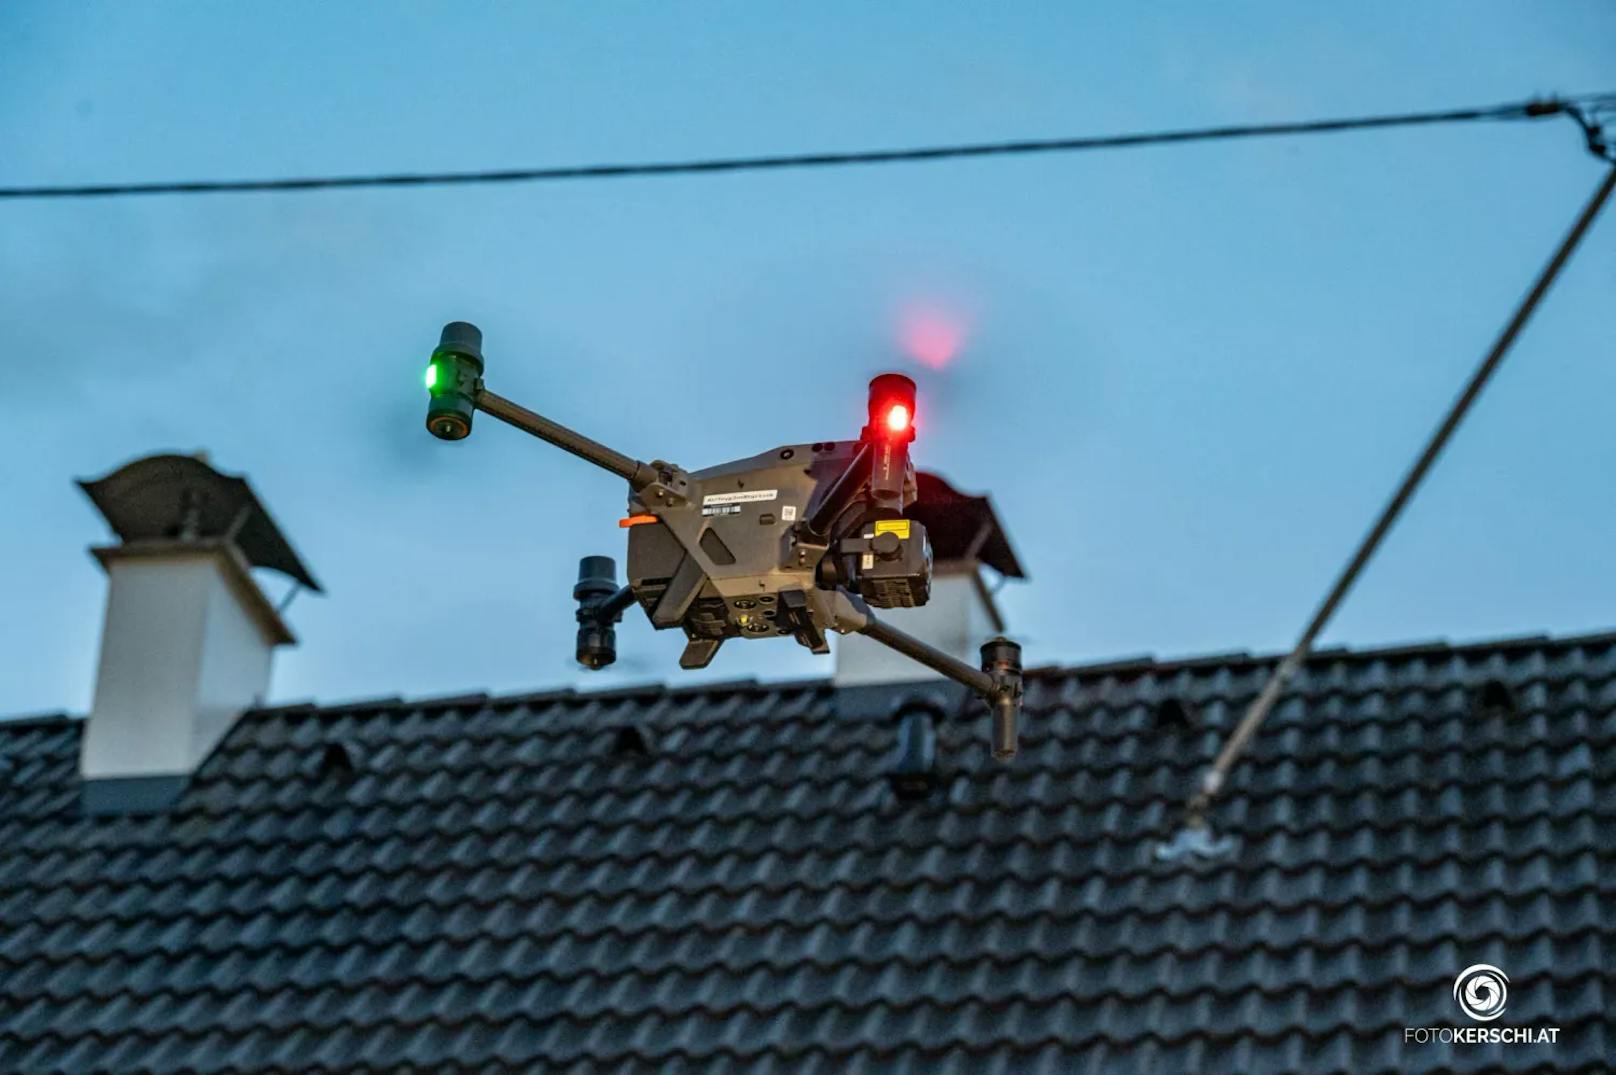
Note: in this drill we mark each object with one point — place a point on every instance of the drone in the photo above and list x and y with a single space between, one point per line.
795 542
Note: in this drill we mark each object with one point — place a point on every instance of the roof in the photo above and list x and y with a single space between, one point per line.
471 883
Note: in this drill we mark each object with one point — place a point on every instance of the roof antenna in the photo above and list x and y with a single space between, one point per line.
1195 835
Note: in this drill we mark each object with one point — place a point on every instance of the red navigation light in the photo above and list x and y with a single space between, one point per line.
892 408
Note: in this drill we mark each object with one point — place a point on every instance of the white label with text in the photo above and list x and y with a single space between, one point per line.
750 496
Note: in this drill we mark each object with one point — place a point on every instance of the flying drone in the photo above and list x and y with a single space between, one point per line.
795 542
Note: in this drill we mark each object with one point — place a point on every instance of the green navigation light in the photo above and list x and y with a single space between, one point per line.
453 378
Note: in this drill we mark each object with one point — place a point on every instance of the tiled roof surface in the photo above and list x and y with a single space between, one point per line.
472 884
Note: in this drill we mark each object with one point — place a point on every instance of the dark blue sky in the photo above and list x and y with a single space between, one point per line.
1189 376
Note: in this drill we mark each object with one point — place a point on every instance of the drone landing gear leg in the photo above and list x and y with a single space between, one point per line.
794 609
679 596
699 653
998 681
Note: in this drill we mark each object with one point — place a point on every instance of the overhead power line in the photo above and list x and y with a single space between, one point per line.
1578 107
1213 780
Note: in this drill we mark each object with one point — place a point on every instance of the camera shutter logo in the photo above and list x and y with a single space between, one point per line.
1481 991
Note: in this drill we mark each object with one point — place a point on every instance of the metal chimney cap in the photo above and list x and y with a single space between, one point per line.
181 497
962 527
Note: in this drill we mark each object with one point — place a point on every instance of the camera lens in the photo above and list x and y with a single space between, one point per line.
448 426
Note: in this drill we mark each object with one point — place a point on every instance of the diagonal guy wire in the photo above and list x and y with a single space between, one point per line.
1213 779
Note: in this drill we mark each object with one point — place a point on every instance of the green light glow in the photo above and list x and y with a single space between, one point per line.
432 376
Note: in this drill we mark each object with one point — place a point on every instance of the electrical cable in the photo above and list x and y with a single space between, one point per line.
1213 780
1532 109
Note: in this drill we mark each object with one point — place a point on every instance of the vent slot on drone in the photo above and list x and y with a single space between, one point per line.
716 550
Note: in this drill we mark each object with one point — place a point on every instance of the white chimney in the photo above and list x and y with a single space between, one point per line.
960 615
189 636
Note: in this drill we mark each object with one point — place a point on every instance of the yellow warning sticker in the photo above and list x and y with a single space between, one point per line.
893 526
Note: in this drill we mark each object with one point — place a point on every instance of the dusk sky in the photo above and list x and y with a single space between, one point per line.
1188 376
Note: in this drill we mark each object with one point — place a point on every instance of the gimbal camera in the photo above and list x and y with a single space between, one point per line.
797 541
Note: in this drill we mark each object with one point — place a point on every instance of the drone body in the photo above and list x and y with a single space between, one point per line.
795 542
736 556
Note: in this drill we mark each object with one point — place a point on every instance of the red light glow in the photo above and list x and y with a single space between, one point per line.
898 418
931 335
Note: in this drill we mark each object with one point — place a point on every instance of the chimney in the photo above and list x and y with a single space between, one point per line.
966 537
189 635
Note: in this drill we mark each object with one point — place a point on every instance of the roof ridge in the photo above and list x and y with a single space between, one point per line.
1338 652
1141 663
1138 662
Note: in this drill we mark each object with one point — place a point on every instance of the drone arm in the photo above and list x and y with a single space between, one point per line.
612 609
998 681
638 474
454 378
928 655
